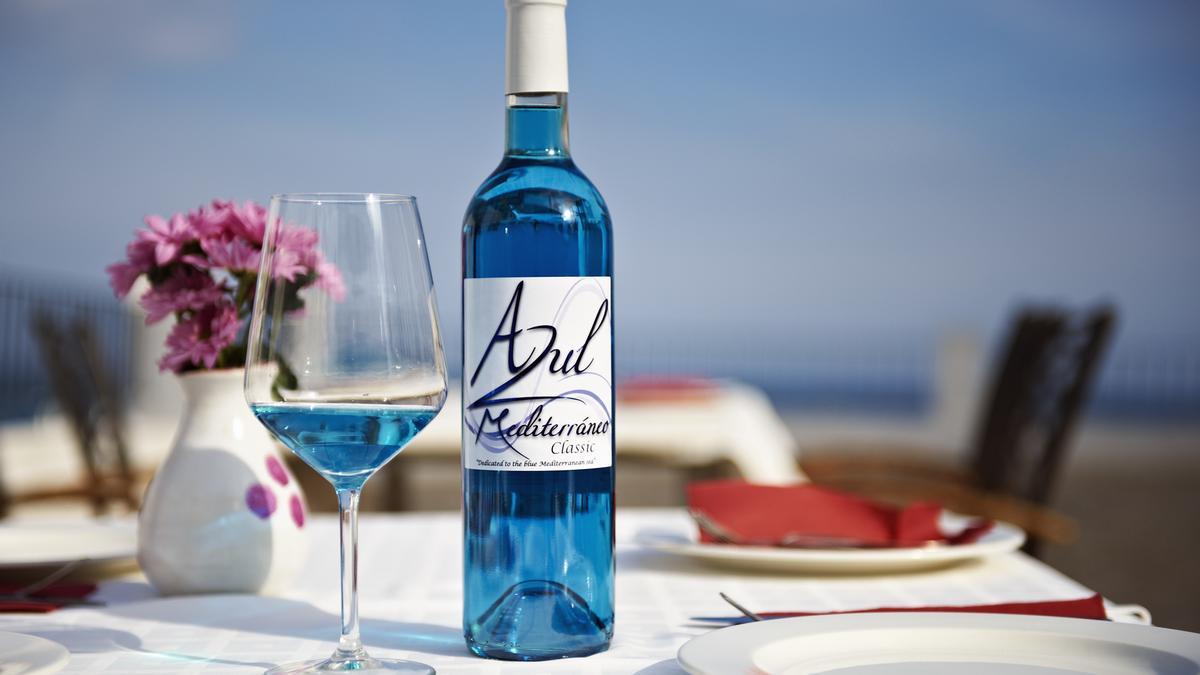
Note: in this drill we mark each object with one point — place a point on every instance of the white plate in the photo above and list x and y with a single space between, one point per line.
1003 538
35 544
30 655
940 644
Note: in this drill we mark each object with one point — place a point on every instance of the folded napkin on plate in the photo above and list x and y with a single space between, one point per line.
1083 608
45 600
790 515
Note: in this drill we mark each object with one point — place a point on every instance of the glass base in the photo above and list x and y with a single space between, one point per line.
538 620
511 654
365 665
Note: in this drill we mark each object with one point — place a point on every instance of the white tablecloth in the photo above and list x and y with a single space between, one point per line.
410 585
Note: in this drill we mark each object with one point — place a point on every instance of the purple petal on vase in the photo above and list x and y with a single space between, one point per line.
261 500
275 468
297 511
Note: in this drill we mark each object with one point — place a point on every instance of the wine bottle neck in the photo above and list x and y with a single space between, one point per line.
536 125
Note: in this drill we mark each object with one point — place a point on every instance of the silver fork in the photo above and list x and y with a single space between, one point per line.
738 606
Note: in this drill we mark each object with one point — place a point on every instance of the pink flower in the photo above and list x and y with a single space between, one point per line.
199 339
225 219
204 261
294 249
209 221
286 265
235 255
329 279
186 289
121 277
251 222
168 236
139 259
140 253
302 240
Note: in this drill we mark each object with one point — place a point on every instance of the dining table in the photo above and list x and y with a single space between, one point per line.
410 589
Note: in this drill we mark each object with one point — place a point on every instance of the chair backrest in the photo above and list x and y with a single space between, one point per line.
89 399
1037 394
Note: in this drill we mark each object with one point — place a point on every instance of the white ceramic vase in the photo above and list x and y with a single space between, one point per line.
223 514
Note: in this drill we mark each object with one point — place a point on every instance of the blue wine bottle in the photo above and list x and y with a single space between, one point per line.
537 376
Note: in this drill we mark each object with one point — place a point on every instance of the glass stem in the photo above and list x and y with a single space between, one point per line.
350 644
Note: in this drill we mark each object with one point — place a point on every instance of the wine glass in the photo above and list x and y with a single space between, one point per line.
344 362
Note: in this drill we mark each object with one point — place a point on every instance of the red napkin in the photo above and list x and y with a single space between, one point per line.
666 390
44 600
767 514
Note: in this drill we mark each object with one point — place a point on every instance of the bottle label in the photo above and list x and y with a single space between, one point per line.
537 373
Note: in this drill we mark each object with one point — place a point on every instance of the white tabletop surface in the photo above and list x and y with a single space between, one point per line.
410 588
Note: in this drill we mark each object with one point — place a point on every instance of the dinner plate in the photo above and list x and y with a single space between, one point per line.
36 544
29 655
898 643
1003 538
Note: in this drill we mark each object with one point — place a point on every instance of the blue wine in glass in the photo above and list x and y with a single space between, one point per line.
344 442
345 370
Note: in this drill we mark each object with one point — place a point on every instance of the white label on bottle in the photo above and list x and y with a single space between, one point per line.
537 373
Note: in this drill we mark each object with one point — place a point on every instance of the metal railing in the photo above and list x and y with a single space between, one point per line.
24 386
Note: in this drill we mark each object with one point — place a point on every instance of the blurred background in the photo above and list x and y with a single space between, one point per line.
842 206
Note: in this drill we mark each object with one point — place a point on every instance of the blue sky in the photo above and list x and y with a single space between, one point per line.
795 171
